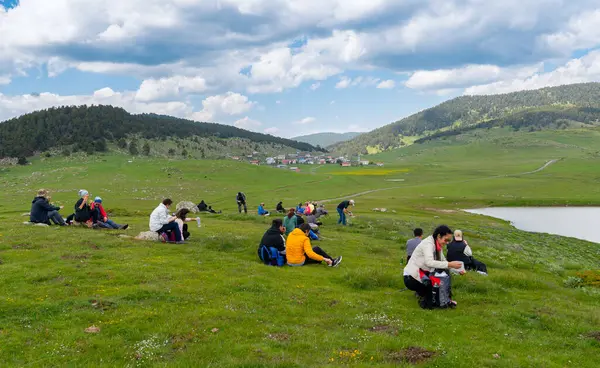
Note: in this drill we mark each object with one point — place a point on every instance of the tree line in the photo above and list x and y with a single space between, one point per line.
89 128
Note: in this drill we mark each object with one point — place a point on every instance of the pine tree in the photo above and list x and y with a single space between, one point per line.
133 148
146 149
184 153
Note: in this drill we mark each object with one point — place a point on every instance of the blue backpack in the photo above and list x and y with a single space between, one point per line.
270 256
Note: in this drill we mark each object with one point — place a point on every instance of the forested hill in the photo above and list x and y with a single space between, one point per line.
90 128
465 111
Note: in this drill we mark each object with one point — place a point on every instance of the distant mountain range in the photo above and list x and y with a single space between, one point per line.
92 128
326 139
575 105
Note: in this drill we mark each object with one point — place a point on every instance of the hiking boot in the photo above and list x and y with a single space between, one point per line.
95 226
124 227
336 262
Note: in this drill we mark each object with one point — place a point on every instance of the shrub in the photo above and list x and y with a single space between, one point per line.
573 282
589 278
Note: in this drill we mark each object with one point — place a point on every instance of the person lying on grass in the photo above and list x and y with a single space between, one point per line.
162 223
42 211
103 221
181 219
459 250
300 252
426 258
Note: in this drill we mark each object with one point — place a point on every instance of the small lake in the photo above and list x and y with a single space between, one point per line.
576 222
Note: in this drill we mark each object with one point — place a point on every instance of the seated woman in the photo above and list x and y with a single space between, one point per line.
280 208
300 252
426 258
181 222
290 221
83 210
459 250
262 211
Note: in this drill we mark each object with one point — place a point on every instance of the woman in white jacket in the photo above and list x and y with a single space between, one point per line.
426 258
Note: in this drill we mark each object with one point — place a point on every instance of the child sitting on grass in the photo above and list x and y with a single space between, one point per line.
181 219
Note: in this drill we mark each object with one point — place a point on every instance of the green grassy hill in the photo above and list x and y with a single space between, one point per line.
546 108
211 303
92 129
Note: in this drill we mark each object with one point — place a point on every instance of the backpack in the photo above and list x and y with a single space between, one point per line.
441 289
270 256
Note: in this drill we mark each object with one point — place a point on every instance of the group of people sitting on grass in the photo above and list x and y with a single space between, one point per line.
300 225
292 246
426 265
90 213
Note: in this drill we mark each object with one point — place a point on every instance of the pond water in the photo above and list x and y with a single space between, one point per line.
576 222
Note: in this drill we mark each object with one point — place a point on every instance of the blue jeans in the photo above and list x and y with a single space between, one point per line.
109 224
174 227
342 219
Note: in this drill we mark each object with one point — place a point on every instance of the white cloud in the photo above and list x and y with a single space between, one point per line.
581 32
581 70
156 89
343 83
278 102
5 79
272 130
219 105
464 77
387 84
332 102
305 121
315 86
247 123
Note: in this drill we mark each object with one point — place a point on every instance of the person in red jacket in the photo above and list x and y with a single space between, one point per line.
103 220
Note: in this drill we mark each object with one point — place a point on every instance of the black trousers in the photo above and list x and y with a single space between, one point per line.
476 265
320 252
425 292
240 204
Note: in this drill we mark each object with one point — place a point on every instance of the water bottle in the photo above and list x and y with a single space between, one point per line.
198 221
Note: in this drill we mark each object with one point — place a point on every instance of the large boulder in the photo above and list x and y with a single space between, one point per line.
148 235
189 205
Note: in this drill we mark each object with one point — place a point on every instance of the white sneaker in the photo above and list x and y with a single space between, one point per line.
482 273
336 262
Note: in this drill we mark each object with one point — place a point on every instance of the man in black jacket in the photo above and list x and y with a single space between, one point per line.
241 202
273 237
42 211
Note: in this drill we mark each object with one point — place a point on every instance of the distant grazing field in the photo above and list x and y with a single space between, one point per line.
210 303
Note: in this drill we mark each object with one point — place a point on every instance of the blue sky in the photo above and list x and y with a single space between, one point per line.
288 67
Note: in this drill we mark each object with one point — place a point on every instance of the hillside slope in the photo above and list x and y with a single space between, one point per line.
466 111
326 139
90 128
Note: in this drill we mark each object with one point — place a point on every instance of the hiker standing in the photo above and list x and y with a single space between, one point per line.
241 201
342 209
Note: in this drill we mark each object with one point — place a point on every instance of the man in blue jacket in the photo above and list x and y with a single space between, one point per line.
42 211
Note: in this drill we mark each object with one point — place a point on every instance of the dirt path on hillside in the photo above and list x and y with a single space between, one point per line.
546 165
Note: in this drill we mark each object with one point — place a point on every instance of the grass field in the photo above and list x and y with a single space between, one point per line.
210 303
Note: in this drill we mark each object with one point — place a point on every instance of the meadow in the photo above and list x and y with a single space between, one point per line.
211 303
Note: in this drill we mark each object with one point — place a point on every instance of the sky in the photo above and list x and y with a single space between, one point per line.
288 67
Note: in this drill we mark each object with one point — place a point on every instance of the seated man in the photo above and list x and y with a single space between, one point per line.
412 244
300 252
273 237
103 220
161 222
262 211
42 211
459 250
202 207
280 208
